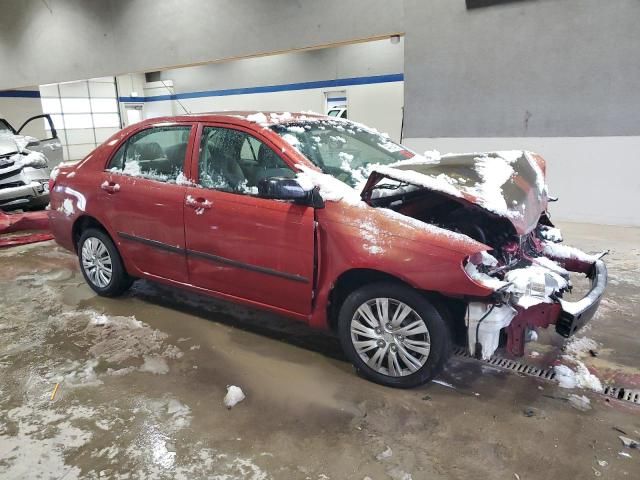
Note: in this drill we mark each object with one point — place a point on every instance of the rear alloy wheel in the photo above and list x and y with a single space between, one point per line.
393 335
101 264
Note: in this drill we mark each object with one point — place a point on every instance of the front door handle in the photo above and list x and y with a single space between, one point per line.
110 187
198 204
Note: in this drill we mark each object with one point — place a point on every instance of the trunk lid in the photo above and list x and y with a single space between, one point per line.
508 184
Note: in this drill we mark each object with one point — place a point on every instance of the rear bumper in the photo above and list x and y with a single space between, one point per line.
574 315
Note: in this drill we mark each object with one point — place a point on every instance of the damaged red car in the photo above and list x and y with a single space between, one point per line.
333 224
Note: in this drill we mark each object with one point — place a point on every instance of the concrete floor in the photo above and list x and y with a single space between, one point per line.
142 380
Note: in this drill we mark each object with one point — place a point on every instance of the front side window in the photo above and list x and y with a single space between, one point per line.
342 149
156 153
236 162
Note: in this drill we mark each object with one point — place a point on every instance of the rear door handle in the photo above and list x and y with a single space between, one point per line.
110 187
198 204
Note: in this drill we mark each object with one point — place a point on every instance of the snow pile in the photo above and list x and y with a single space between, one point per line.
257 117
524 280
559 251
234 396
182 179
482 278
580 402
331 189
283 117
494 172
66 207
33 159
581 377
552 234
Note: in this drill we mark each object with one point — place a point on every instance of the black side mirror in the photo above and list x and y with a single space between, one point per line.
280 188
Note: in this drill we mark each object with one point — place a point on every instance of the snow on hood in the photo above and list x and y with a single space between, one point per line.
14 146
8 144
509 184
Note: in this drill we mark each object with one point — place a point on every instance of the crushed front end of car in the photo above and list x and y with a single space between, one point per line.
499 199
530 279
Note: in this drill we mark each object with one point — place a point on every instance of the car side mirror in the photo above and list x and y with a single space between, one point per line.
280 188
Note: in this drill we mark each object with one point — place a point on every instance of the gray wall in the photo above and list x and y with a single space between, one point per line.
81 39
356 60
536 68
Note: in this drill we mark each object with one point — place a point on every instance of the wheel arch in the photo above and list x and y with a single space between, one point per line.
352 279
81 224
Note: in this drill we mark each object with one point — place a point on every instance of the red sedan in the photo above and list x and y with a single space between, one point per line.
330 223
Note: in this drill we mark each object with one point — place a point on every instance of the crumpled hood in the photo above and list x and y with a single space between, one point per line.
508 184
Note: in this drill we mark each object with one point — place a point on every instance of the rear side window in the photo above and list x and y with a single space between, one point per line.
156 153
234 161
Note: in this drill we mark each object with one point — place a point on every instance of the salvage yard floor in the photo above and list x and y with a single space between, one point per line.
142 380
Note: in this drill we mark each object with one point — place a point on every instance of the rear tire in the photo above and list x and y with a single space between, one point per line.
101 264
405 347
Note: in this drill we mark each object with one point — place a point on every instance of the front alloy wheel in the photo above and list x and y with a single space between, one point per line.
393 335
390 337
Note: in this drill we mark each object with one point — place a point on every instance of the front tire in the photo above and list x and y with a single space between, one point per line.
393 335
101 264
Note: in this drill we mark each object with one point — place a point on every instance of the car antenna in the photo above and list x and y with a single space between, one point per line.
176 98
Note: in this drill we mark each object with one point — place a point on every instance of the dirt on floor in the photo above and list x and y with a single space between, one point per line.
141 381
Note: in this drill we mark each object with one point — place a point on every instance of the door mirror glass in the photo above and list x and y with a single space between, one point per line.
281 188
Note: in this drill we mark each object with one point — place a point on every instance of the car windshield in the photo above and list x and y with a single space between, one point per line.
342 149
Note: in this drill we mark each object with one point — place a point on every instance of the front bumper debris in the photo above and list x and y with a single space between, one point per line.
36 223
574 315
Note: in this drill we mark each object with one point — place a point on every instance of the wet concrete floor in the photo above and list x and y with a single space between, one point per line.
142 380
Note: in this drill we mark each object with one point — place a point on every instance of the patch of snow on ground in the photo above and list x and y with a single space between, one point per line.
581 377
580 402
154 364
579 347
234 396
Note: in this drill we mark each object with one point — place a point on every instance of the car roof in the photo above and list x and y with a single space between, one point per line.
241 116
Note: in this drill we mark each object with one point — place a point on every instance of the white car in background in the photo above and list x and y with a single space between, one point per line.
338 112
25 166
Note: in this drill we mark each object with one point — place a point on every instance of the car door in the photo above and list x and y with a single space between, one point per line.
46 142
142 199
239 244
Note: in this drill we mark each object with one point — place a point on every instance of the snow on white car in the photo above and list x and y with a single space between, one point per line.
25 165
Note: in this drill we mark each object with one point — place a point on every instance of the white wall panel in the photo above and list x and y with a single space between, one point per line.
596 178
376 105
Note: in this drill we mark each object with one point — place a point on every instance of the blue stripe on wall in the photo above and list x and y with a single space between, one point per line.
340 82
337 99
19 94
